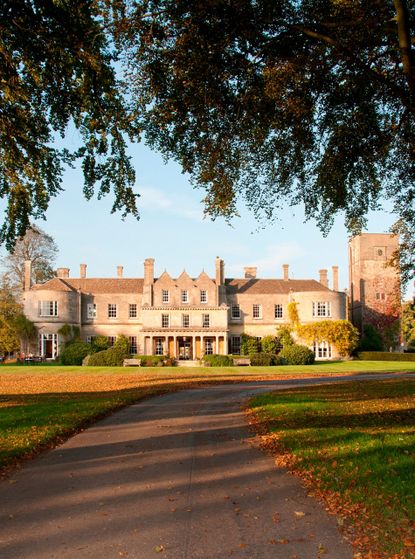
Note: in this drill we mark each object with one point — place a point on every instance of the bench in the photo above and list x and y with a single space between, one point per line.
242 361
131 363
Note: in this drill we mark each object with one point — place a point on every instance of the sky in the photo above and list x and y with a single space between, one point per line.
173 230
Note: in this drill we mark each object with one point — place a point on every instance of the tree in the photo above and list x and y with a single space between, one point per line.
281 100
9 310
25 330
341 333
271 102
37 246
57 73
408 324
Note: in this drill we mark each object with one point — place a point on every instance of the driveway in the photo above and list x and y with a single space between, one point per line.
177 477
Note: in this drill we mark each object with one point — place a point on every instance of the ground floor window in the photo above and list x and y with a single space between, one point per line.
159 346
322 350
48 345
235 345
208 346
111 340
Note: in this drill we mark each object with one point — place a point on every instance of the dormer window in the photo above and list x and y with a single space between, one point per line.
164 295
203 296
185 296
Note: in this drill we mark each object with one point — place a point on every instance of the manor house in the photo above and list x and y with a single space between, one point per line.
183 317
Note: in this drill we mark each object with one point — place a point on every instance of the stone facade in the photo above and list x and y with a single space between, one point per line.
183 317
374 291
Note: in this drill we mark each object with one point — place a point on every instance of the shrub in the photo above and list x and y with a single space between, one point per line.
371 339
284 337
297 355
99 343
269 344
153 360
385 356
341 333
74 353
265 359
249 344
216 360
111 357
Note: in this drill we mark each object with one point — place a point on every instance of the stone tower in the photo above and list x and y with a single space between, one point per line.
374 287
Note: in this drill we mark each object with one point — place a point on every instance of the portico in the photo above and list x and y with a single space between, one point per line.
184 345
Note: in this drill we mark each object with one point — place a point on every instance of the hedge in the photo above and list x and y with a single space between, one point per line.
74 353
155 360
265 359
385 356
216 360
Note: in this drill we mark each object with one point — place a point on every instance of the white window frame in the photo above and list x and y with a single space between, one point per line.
322 350
132 310
54 338
235 315
184 296
165 296
205 320
48 308
257 311
159 349
278 311
165 320
185 320
112 310
203 296
91 310
321 308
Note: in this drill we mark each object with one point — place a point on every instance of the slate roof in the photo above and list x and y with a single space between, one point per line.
252 286
256 286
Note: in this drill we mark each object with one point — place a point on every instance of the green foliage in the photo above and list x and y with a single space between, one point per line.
297 355
385 356
340 333
74 353
269 344
371 339
71 332
216 360
265 359
113 356
10 310
57 69
284 336
100 343
249 344
408 324
25 330
155 360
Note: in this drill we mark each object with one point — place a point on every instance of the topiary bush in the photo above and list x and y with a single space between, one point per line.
265 359
297 355
216 360
74 353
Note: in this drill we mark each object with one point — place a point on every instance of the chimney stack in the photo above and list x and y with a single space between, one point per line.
62 272
285 271
119 271
250 272
220 268
27 275
323 277
335 278
149 271
82 271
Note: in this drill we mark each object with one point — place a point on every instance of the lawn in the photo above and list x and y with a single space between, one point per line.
354 446
42 405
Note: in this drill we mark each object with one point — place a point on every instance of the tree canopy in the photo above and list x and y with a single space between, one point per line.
274 102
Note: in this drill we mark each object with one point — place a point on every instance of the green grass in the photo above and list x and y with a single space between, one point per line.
355 444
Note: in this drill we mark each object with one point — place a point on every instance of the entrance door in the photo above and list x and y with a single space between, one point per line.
184 350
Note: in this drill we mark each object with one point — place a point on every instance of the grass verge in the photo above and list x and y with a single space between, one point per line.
353 444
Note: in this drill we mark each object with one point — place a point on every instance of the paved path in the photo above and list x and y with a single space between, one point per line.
173 477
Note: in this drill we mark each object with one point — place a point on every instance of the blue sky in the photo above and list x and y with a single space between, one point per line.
173 230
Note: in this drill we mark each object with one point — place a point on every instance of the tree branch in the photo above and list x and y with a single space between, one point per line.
404 37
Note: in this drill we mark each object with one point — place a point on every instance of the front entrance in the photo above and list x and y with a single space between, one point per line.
185 352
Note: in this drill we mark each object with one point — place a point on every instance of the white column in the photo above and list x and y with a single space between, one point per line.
175 346
226 343
151 346
193 348
217 344
202 349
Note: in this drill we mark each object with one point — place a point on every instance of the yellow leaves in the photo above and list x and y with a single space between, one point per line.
340 333
159 548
